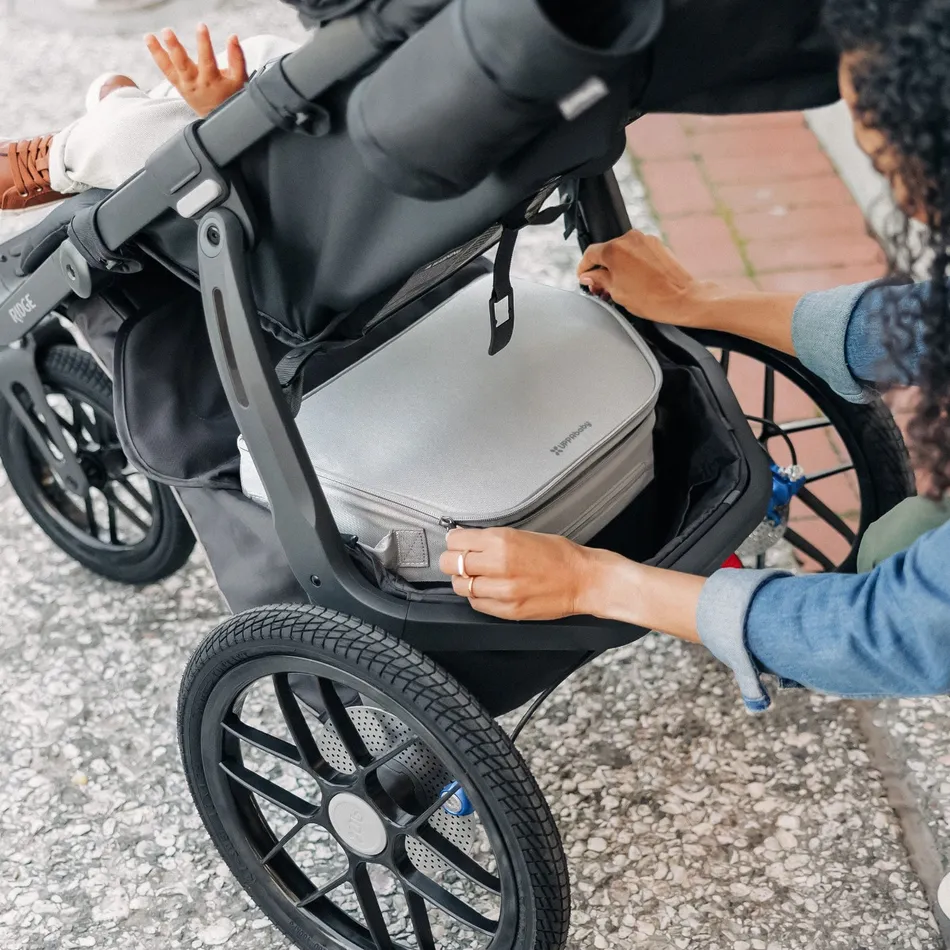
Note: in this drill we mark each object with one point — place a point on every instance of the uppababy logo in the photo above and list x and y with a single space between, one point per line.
21 309
564 443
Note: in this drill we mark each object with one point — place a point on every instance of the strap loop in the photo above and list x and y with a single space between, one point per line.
502 330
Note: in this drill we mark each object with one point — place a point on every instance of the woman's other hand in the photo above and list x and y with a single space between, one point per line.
640 273
520 575
202 83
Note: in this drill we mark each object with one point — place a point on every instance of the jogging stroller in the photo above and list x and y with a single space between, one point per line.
340 746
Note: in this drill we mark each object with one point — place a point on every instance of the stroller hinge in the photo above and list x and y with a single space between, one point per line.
193 183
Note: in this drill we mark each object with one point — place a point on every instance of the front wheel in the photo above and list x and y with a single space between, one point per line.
361 796
125 528
856 465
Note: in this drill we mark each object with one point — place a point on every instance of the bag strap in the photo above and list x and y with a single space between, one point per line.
501 330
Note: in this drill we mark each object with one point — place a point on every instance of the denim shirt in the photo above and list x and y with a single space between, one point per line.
885 633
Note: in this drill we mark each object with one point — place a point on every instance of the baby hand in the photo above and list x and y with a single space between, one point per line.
202 84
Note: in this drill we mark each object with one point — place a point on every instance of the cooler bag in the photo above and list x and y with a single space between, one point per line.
428 432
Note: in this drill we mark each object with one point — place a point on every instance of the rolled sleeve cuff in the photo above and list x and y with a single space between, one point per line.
720 619
819 333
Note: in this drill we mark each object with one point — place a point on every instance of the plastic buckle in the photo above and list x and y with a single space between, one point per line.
501 330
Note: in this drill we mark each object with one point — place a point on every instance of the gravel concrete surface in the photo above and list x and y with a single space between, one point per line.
688 824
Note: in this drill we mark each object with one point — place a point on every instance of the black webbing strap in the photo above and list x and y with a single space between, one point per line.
275 96
501 330
290 368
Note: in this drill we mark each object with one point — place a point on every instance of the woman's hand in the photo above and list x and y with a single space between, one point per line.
640 273
519 575
201 84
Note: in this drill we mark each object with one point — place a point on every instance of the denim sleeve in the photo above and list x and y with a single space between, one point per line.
886 633
865 350
839 335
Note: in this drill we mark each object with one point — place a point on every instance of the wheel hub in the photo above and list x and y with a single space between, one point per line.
357 825
382 731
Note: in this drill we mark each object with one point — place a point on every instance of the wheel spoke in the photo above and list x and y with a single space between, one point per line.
308 753
269 791
91 515
420 920
768 395
829 472
261 740
113 526
366 895
804 425
113 499
466 865
448 903
341 722
806 547
826 514
78 418
420 820
391 754
284 841
322 892
64 424
142 501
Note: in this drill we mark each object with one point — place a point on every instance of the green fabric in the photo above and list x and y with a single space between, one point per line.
900 528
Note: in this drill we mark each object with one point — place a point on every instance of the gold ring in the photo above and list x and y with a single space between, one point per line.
462 572
471 587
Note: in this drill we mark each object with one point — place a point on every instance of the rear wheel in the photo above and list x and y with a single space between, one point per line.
856 465
125 528
361 796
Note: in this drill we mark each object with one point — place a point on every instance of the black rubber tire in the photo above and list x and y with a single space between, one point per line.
69 370
868 430
427 693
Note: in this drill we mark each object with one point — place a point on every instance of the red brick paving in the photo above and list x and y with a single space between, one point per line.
820 250
754 203
821 191
800 281
780 223
704 244
676 187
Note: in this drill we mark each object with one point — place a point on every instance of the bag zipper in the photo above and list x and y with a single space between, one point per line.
605 502
503 521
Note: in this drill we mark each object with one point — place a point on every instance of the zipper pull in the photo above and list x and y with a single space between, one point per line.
447 523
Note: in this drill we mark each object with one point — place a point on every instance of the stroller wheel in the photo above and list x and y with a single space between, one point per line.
361 796
855 464
126 528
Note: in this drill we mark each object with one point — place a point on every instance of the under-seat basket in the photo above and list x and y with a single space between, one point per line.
552 434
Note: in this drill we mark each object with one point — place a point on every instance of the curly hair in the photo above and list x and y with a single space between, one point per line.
900 69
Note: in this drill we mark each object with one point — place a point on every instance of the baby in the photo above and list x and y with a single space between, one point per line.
124 124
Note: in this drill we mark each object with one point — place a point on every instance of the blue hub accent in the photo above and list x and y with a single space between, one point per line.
784 489
459 804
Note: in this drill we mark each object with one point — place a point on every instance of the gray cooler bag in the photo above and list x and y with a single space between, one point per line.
552 434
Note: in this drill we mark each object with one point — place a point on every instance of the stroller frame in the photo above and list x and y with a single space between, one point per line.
189 174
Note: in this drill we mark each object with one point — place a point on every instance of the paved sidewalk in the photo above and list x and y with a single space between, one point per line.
690 825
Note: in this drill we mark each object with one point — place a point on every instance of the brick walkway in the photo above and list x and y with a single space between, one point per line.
754 203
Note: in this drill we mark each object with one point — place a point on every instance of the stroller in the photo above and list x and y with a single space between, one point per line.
340 746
